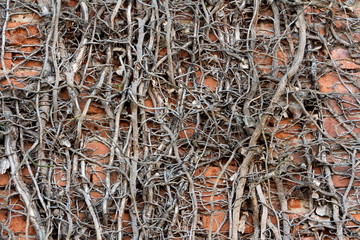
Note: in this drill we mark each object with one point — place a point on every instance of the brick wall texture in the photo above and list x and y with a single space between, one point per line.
136 119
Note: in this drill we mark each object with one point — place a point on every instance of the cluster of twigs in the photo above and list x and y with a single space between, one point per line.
172 89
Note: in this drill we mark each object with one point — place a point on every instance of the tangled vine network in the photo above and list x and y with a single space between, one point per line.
130 119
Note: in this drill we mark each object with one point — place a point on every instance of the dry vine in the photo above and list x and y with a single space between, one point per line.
171 88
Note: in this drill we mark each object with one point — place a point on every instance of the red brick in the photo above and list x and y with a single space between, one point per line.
317 170
26 73
188 130
27 49
309 238
32 30
356 216
345 102
98 175
96 196
96 129
16 83
355 37
26 175
162 53
29 64
124 126
330 83
249 225
300 208
25 18
13 202
98 148
212 37
185 18
265 29
352 225
7 61
340 181
264 61
208 81
17 36
94 108
335 129
31 41
343 59
18 224
72 3
265 12
288 128
217 199
340 157
149 104
218 218
4 179
59 172
294 203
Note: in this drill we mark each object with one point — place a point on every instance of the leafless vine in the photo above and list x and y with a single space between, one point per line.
143 119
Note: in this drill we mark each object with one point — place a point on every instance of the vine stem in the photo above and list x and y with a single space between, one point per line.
244 168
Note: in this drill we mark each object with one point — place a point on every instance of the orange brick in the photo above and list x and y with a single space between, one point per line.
356 216
32 30
13 202
249 225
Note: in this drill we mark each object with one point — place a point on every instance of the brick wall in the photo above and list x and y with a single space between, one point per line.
313 152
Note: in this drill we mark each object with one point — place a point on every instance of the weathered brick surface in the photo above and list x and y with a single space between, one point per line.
339 118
